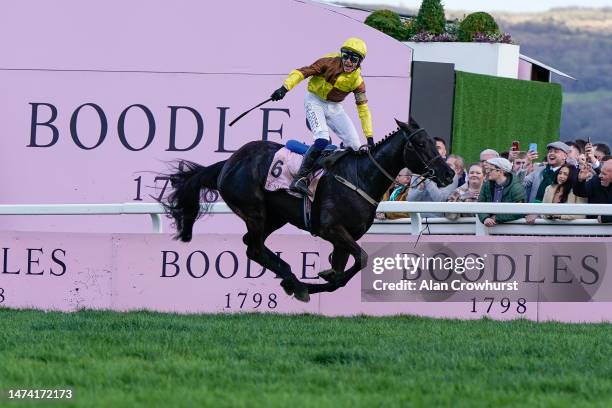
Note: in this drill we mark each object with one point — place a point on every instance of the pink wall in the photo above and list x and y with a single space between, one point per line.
524 70
64 271
216 58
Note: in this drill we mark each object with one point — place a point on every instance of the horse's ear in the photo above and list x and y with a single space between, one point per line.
413 123
402 125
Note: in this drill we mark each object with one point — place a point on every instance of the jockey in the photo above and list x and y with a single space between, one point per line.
333 77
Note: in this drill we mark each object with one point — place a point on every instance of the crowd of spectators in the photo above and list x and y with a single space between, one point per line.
573 172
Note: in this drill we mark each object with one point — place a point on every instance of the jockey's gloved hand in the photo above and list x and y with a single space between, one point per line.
370 141
279 94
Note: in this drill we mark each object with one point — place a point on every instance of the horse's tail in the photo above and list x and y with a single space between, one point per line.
183 203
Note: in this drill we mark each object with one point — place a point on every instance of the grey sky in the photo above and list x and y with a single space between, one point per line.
495 5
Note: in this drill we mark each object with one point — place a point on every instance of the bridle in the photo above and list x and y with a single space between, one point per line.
429 173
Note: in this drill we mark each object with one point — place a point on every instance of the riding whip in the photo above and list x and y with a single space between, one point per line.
245 113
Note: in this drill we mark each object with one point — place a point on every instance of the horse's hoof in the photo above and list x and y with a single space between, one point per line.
328 275
287 286
301 294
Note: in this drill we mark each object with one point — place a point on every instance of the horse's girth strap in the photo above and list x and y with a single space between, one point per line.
356 189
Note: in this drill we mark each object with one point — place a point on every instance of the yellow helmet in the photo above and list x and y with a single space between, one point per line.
356 45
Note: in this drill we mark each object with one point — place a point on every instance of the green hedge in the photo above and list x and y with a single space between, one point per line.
491 112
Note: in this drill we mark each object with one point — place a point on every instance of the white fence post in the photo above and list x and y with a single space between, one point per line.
481 229
416 223
157 223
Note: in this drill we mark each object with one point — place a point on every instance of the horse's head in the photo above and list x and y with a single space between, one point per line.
421 155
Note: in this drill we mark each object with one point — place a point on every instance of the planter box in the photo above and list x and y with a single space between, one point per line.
500 60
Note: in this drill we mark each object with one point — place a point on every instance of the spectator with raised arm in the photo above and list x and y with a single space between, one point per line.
601 150
523 163
580 143
560 192
501 187
595 154
519 162
441 147
574 154
427 190
536 182
469 191
457 163
597 190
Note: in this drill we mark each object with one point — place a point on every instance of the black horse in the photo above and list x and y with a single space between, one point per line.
339 214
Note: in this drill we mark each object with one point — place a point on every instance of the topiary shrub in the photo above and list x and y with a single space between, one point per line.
431 17
479 22
386 21
389 23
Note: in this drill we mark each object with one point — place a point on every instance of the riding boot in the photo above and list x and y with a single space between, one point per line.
300 182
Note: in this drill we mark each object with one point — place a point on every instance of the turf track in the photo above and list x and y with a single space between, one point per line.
149 359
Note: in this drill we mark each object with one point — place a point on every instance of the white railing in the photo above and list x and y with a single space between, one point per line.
155 210
415 225
473 226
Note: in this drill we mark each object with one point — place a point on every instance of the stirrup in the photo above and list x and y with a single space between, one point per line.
300 185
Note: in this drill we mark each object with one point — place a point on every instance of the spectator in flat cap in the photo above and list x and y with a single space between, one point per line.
535 183
501 187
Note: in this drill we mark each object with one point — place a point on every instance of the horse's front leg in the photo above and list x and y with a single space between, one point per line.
337 278
338 263
344 245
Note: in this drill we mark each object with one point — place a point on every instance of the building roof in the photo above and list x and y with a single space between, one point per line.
541 64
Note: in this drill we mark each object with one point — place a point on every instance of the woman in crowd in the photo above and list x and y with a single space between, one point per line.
397 192
469 191
561 192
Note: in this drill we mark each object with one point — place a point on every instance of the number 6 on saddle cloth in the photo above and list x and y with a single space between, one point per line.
287 161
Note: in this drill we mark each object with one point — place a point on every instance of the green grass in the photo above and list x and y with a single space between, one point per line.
149 359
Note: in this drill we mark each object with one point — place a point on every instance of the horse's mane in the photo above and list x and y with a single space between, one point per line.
362 152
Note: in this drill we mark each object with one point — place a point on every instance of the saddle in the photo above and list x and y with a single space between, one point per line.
287 161
329 156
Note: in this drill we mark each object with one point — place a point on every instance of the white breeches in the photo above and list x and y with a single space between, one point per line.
324 115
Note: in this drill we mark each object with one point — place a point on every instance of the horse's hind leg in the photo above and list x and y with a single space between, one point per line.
258 231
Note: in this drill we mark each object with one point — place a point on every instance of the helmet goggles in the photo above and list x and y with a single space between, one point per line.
350 55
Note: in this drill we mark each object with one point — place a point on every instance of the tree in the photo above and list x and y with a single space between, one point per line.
431 17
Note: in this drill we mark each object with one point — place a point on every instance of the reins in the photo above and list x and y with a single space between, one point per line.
429 173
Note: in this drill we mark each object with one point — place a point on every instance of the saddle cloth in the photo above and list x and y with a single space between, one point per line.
283 169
